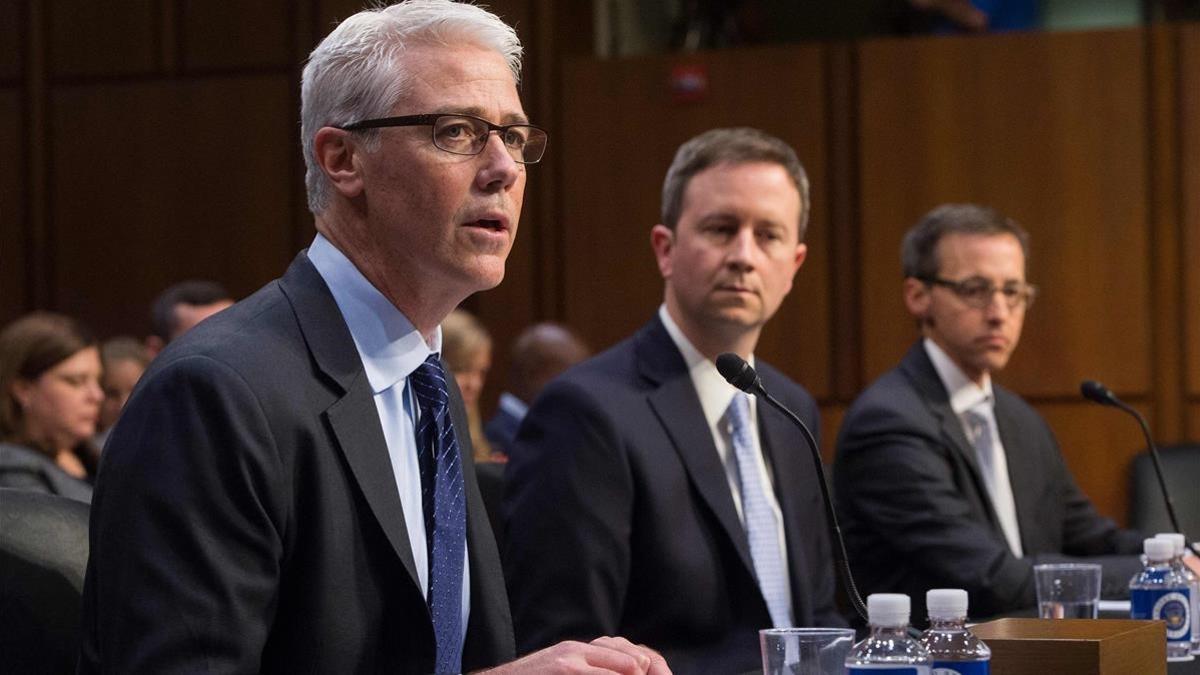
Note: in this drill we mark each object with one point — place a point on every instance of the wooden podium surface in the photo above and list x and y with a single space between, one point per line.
1077 646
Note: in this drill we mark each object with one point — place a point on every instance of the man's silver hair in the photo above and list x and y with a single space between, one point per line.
356 72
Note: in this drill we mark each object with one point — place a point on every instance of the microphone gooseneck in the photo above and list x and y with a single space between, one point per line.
742 375
1097 392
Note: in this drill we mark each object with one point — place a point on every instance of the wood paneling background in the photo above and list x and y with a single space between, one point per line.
14 248
1189 181
151 140
225 213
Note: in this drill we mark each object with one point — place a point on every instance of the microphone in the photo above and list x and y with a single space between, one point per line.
1094 391
740 374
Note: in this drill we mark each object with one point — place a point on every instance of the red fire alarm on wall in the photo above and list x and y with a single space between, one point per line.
689 83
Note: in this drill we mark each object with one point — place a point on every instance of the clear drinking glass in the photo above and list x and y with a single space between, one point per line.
1067 590
805 651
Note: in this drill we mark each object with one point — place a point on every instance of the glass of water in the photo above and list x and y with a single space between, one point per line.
805 651
1067 590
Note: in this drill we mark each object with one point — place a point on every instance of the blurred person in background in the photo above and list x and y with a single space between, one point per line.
180 307
541 353
49 404
124 359
467 349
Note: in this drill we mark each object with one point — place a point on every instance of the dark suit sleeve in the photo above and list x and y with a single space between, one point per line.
894 484
186 529
567 509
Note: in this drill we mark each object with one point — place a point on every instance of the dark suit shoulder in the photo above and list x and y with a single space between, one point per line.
892 404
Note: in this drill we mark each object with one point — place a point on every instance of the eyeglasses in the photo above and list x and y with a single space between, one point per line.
978 293
468 135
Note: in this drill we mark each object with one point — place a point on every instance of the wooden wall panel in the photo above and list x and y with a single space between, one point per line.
620 129
257 35
1193 420
1098 444
90 38
12 20
1189 181
832 415
154 183
1048 128
13 248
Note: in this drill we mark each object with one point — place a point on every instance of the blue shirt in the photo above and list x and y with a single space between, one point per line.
391 348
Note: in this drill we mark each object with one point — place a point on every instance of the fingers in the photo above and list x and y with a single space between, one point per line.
648 661
603 656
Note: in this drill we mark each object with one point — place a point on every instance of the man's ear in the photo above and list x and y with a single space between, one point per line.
916 298
20 388
336 152
662 241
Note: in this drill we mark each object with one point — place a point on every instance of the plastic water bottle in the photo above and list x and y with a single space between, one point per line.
1159 593
888 647
953 649
1180 543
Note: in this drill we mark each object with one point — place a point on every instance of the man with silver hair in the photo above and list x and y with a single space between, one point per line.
290 488
645 495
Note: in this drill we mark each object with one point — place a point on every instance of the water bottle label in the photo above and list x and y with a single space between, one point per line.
1170 606
961 668
875 669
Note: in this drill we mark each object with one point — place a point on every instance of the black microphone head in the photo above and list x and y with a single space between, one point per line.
737 372
1094 391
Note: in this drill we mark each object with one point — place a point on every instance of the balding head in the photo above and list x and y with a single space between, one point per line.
540 353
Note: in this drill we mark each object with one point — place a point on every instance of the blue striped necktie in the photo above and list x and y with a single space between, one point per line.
445 510
762 525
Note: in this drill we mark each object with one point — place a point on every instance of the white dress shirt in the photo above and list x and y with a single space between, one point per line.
391 349
715 396
966 396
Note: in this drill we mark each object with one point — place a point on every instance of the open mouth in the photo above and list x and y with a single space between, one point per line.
488 224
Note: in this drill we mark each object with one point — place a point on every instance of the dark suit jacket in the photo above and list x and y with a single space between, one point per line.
620 519
915 511
247 517
501 430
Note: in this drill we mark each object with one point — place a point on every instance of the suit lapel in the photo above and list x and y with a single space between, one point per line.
920 370
489 625
674 401
788 461
353 419
1022 471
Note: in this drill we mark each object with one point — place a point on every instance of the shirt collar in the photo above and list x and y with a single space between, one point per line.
389 345
964 394
514 406
714 392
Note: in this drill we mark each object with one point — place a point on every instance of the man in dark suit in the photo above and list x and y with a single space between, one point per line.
540 353
646 495
290 488
944 478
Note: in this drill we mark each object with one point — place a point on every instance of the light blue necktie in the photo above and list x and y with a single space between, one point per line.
762 526
998 487
445 511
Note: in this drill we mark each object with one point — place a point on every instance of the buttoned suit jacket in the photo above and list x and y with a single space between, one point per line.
620 518
916 513
247 517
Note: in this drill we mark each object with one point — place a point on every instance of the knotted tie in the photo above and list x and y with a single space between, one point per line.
445 510
995 475
762 526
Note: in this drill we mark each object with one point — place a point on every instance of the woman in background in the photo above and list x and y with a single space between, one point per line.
467 350
49 404
123 359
